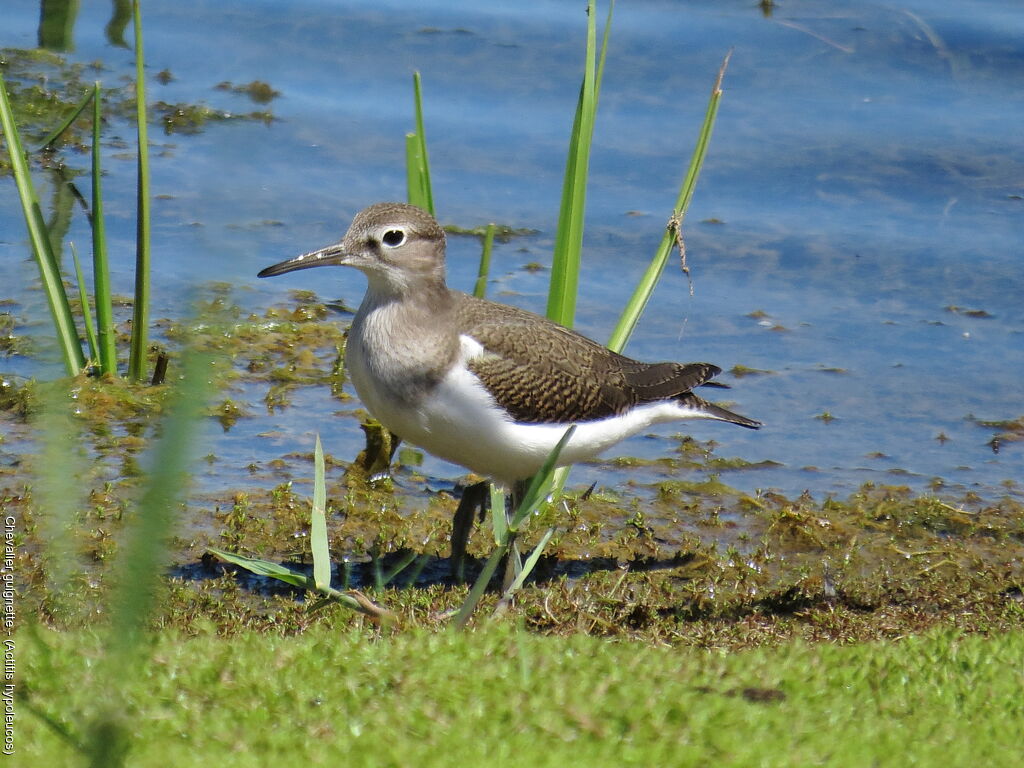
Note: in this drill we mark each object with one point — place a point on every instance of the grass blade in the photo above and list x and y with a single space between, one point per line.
535 494
353 599
140 568
140 571
318 523
394 571
480 289
265 568
140 311
83 295
59 130
499 520
321 579
473 598
105 336
528 565
537 490
421 138
569 239
414 190
642 293
604 50
58 486
49 271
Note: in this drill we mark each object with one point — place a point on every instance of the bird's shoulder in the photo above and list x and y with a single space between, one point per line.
517 333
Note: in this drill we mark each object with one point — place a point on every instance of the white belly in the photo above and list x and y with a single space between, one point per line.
459 421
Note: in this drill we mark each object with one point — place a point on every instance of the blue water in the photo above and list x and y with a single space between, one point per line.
866 172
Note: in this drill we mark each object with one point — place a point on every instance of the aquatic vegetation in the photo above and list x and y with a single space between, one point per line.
45 92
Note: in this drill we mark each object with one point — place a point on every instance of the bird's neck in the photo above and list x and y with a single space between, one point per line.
406 338
417 300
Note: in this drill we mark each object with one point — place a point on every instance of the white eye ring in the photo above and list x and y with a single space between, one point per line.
393 238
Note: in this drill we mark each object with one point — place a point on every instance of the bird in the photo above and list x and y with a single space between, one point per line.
485 385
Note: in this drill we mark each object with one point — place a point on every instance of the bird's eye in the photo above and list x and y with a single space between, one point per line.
393 238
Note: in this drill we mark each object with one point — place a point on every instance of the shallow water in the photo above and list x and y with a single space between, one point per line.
865 174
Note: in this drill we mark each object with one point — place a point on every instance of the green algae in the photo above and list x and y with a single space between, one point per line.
45 88
259 91
503 233
739 371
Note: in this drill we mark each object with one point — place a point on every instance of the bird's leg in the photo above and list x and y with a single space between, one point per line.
474 497
513 561
381 447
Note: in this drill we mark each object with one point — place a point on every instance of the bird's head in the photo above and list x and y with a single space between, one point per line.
397 246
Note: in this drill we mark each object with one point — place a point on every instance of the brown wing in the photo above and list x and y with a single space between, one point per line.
541 372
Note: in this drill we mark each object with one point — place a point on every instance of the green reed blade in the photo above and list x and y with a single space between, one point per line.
414 574
140 310
59 130
528 565
102 295
642 293
59 490
604 50
415 191
294 578
265 568
378 571
83 295
318 523
480 289
49 270
404 562
569 237
421 137
538 488
143 553
535 494
565 265
499 520
139 569
473 598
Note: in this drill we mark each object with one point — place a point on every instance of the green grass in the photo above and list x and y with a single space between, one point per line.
46 240
566 261
42 248
106 337
504 697
140 307
417 162
673 237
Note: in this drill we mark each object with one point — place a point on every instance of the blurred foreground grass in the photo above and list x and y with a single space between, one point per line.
494 696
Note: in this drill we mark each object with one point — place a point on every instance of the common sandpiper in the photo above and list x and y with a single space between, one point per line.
481 384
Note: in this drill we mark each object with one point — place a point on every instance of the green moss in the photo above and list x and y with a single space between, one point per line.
502 232
739 371
192 118
259 91
45 88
